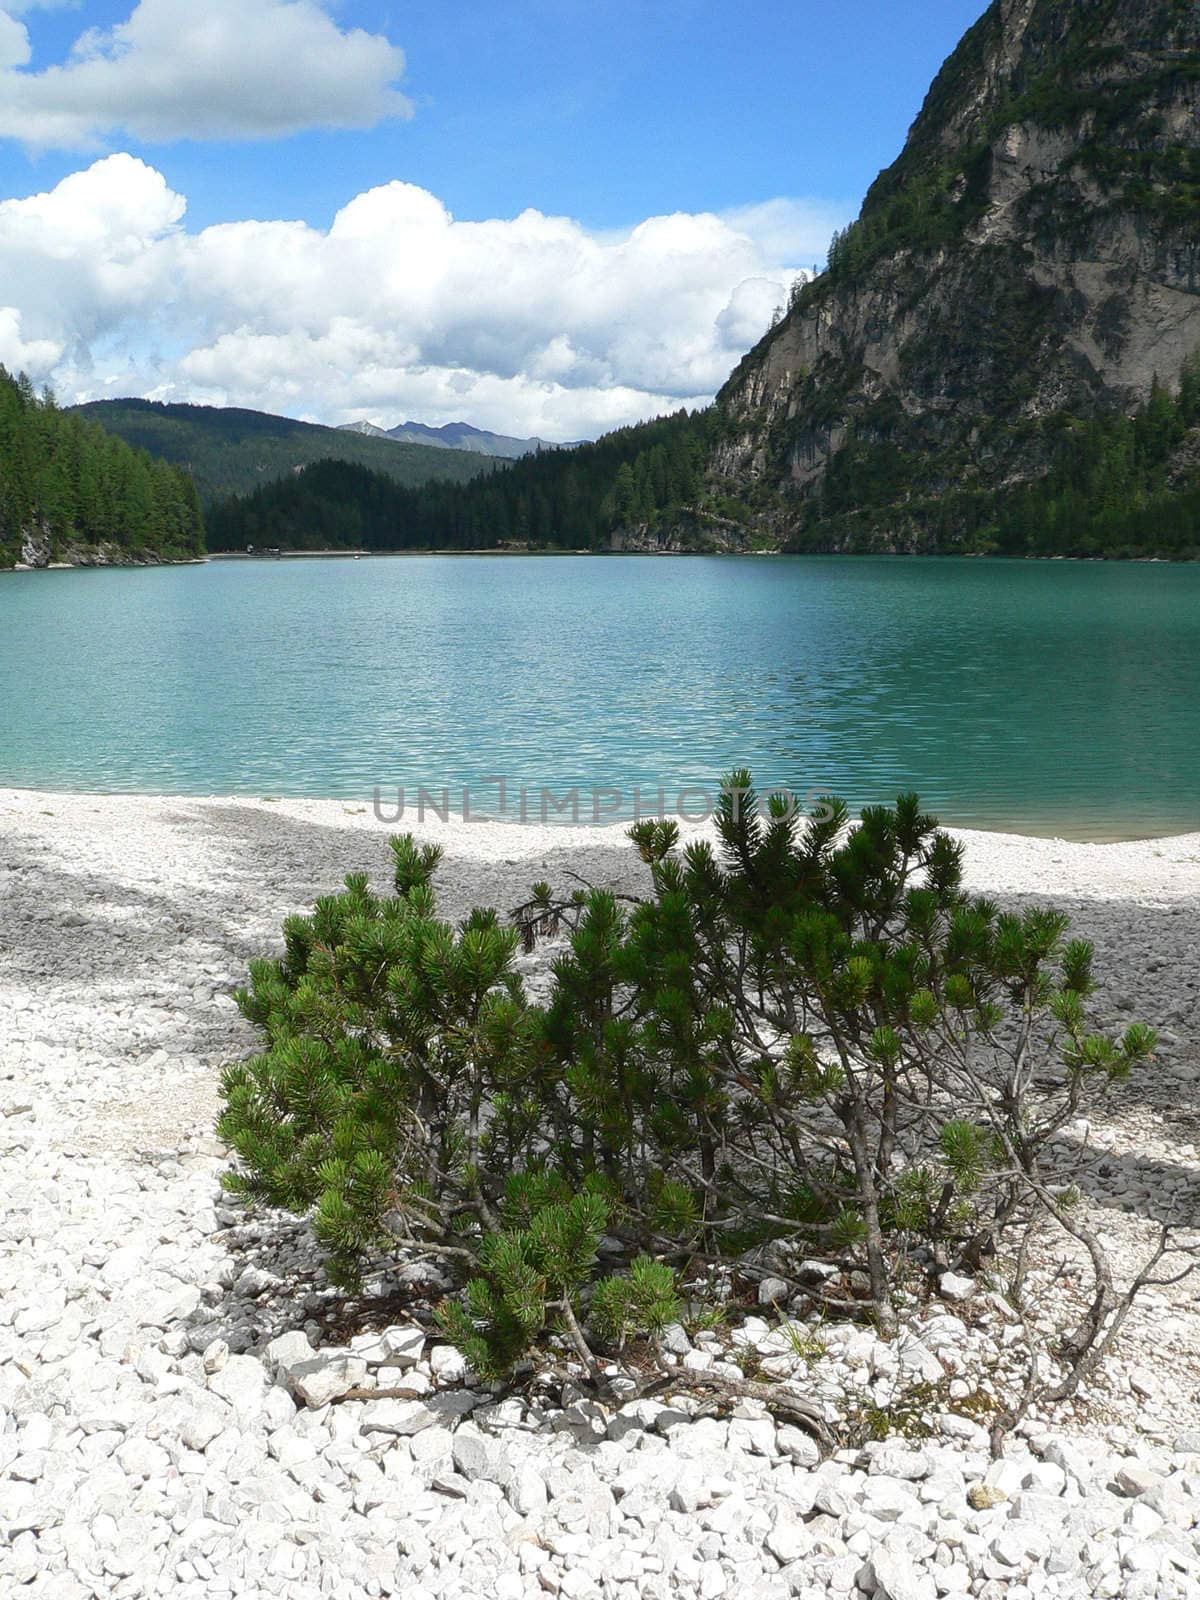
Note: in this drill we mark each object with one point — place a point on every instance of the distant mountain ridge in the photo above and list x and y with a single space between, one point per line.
232 451
458 436
558 499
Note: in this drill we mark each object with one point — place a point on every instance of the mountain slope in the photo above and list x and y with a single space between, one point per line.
564 499
72 493
1002 355
231 451
457 436
1032 258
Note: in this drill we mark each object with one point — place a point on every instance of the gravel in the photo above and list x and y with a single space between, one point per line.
171 1420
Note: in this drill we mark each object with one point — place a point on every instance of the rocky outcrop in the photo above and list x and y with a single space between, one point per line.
688 532
1032 255
38 550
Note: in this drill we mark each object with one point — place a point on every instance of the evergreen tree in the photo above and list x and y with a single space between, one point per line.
808 1037
66 481
1114 485
567 499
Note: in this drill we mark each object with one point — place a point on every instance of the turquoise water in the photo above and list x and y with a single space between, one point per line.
1040 697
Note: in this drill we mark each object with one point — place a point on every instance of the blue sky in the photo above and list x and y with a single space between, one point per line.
257 112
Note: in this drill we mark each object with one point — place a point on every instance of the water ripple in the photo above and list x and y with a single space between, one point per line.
1044 697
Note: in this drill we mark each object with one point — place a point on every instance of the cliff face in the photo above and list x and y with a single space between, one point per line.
1033 255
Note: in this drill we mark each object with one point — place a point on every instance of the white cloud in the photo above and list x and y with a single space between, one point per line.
751 306
530 324
18 354
791 230
92 257
181 69
14 43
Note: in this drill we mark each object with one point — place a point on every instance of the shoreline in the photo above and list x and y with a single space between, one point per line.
577 834
505 857
791 555
555 551
107 566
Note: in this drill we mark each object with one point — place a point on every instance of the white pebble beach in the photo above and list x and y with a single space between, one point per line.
140 1458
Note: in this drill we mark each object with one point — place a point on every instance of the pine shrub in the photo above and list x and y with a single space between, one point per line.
806 1040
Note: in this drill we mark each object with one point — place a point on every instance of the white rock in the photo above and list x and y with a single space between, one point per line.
287 1350
917 1359
789 1539
121 1266
406 1417
141 1458
243 1383
1143 1557
887 1498
1130 1478
952 1286
831 1499
478 1456
892 1575
773 1291
756 1434
1006 1475
202 1422
35 1316
675 1339
751 1334
527 1492
216 1354
447 1364
896 1460
801 1447
698 1487
1144 1383
404 1345
326 1377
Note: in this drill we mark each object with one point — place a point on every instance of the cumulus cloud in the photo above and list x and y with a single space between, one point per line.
529 324
791 230
17 353
176 69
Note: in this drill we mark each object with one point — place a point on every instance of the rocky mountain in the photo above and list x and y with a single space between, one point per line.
1031 259
455 436
368 430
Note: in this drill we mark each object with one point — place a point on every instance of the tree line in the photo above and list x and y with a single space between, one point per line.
1120 484
1113 485
65 482
566 499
